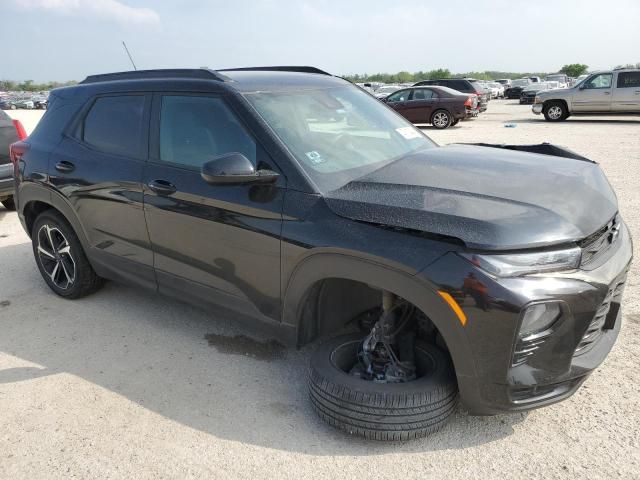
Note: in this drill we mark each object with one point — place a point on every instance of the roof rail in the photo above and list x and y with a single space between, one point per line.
300 69
197 73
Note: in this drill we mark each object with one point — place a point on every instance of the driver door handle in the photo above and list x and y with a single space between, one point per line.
65 167
607 93
162 187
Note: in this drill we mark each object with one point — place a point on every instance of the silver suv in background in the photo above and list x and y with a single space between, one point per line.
609 92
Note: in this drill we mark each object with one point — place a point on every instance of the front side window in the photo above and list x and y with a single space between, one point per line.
602 80
628 80
337 134
195 129
401 96
115 125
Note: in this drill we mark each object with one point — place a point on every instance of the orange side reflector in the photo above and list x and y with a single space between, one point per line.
455 307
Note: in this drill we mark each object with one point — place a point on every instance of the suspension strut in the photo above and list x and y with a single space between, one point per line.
378 354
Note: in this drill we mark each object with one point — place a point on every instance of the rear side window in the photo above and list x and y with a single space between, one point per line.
628 80
115 125
422 94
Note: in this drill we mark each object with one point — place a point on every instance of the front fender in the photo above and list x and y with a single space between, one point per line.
416 289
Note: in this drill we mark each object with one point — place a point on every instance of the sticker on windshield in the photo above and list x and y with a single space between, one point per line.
315 157
408 132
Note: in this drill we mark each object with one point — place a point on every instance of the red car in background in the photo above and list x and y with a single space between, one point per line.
442 107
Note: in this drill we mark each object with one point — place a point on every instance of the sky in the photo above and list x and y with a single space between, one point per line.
44 40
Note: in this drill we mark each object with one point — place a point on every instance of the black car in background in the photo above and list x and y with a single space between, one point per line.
516 88
10 131
442 107
461 85
297 199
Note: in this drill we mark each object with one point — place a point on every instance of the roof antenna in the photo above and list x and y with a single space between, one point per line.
127 50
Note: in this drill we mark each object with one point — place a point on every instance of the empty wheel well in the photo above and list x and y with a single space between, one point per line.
332 305
32 210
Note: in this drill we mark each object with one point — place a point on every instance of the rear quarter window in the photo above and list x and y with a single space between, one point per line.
115 125
628 80
460 85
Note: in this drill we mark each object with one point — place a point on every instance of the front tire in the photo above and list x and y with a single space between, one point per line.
441 119
555 111
382 411
61 258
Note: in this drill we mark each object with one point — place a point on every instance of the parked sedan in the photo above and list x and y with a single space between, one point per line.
442 107
461 85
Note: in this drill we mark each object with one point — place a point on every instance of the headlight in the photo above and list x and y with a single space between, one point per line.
515 264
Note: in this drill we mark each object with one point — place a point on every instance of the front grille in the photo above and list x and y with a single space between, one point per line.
604 319
599 242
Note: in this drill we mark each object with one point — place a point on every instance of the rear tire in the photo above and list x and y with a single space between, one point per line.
9 204
555 111
441 119
381 411
55 243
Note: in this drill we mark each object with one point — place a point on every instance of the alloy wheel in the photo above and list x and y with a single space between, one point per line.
554 112
440 119
54 254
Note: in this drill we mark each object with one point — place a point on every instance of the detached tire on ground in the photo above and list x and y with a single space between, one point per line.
382 411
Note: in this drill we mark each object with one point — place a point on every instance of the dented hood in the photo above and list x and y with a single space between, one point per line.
490 198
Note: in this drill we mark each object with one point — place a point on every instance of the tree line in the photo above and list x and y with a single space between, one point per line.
31 86
573 70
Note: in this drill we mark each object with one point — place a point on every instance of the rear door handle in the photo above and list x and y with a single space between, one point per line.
607 93
162 187
65 167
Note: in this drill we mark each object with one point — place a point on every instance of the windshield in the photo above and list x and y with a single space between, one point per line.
520 83
338 134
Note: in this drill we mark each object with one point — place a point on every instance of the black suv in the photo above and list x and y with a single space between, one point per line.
464 86
313 210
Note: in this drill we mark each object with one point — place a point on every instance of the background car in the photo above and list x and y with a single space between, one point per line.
505 82
561 78
516 88
606 92
442 107
386 90
10 131
8 104
461 85
497 89
529 93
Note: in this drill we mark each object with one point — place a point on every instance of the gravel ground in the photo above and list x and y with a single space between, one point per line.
126 384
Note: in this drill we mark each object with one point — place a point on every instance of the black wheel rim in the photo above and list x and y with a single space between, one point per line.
55 256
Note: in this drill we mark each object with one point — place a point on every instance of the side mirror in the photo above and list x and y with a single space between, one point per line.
234 168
